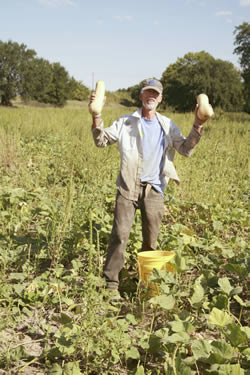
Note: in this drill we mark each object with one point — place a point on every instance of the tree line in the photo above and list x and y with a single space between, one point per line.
227 87
23 73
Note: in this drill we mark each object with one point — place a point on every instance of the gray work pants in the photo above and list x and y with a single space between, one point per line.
151 204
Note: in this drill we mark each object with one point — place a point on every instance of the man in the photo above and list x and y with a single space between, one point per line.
147 142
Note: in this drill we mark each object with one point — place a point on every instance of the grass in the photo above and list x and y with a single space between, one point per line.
57 194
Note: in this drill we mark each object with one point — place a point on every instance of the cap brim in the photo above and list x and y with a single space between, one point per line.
152 88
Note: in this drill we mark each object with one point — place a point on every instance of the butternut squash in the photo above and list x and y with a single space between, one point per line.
205 110
96 106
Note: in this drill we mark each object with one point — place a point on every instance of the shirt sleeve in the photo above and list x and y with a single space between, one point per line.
104 137
184 145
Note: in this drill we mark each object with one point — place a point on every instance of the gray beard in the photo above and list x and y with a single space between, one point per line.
150 106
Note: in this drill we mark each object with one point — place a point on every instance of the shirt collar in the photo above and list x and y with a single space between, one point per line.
138 113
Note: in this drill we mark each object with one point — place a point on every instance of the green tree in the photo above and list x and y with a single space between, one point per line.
59 90
226 91
134 91
242 43
37 80
200 72
14 62
78 91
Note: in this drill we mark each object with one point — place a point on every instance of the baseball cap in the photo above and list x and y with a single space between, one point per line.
152 83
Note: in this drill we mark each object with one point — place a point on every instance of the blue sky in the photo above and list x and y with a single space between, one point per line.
122 41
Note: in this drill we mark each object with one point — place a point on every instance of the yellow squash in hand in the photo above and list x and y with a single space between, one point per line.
96 106
205 110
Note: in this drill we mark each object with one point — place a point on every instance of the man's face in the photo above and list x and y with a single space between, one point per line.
150 99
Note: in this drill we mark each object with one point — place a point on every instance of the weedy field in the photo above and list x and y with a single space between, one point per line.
57 194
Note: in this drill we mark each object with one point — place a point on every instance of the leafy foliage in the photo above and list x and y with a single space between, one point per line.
37 82
14 64
242 43
200 72
58 92
22 73
78 90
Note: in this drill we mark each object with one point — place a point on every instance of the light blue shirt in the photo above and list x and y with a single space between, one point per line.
153 141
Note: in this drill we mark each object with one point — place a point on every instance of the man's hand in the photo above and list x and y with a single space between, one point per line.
92 98
97 99
197 120
97 118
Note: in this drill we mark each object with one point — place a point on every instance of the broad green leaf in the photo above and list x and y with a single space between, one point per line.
217 244
20 276
27 312
180 262
217 225
198 295
220 301
55 370
225 285
143 342
230 370
76 307
140 371
63 318
236 268
131 319
159 275
236 290
72 368
180 326
181 367
115 355
228 253
246 352
236 335
18 289
246 329
123 323
65 346
164 289
219 318
177 326
221 352
240 301
181 337
133 353
189 360
201 349
67 301
187 239
166 302
155 343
